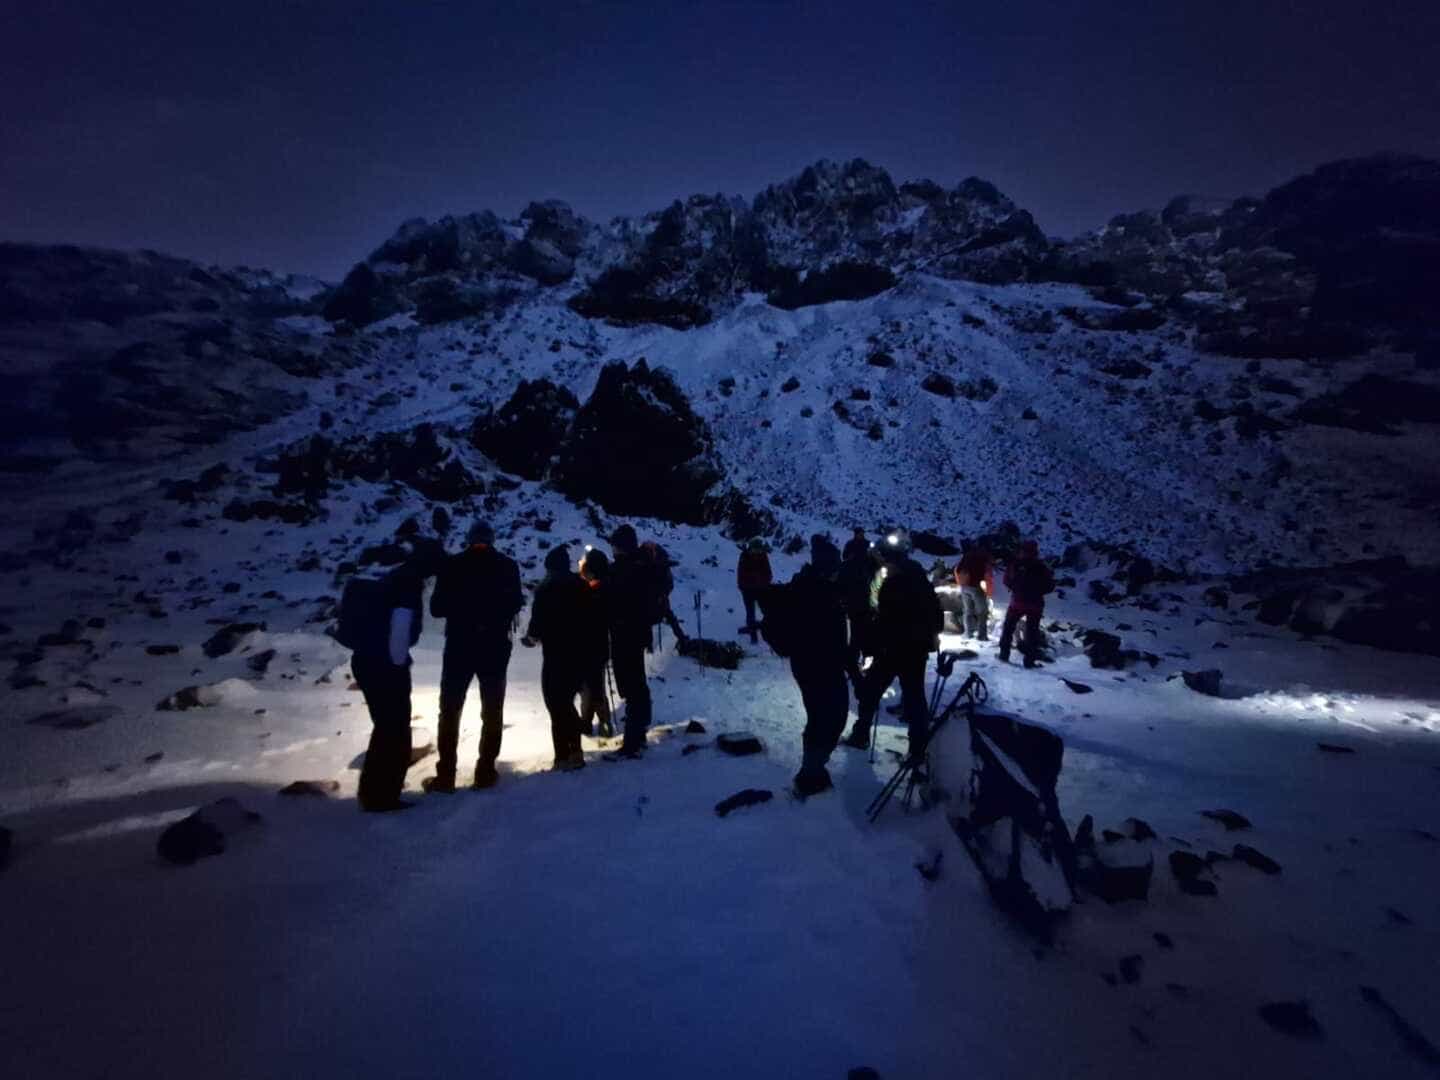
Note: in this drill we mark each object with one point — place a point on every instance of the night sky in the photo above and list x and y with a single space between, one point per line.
298 135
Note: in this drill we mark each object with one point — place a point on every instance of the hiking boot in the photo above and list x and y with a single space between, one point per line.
1004 657
633 752
857 740
438 785
485 777
574 761
807 784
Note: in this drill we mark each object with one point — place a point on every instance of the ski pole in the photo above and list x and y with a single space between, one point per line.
699 632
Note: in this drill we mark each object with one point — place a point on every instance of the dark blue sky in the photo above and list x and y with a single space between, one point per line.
297 135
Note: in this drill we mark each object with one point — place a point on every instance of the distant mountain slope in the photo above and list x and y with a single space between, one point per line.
1216 385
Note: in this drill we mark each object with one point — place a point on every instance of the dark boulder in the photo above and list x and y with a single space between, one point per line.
1192 874
208 831
528 429
1259 861
1103 649
311 788
637 448
710 653
747 797
1203 682
229 638
739 744
1228 818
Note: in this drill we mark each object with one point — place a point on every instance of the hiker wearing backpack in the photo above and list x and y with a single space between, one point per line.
380 621
908 621
753 576
638 593
595 636
660 572
805 620
478 595
557 622
1029 581
975 575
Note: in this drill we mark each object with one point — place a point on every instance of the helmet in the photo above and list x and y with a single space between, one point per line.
895 544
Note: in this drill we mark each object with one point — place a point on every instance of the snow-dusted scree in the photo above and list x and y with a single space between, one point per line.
1221 434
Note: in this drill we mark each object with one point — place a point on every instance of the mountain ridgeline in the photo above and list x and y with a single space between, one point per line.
1330 264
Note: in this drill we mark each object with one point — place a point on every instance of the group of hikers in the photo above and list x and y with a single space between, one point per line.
870 602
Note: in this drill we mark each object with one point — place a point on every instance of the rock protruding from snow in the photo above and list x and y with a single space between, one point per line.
1120 867
739 744
208 831
528 429
231 637
637 448
224 692
708 652
1205 682
748 797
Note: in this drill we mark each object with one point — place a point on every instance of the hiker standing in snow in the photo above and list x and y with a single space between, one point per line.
478 595
753 576
1029 581
857 545
819 656
908 620
633 609
381 621
975 575
557 622
595 647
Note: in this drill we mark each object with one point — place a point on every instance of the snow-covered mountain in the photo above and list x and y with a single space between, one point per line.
1219 420
1215 388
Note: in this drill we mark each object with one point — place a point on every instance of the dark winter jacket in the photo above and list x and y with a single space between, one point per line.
558 617
630 604
908 616
595 623
824 646
753 570
1029 580
478 595
854 580
856 547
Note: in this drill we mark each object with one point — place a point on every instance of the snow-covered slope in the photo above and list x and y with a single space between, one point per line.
167 490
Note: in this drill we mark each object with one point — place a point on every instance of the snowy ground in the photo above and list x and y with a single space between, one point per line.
609 923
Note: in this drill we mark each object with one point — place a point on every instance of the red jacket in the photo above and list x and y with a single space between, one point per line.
753 570
977 567
1028 581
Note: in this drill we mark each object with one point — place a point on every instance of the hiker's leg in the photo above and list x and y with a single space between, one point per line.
916 708
456 670
1031 645
747 597
872 688
492 671
628 662
387 759
1007 631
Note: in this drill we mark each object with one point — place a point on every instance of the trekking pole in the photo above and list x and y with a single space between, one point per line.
699 632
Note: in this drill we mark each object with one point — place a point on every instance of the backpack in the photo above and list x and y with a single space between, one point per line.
781 623
365 608
1031 579
657 580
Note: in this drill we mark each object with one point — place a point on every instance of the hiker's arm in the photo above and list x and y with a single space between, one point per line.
440 598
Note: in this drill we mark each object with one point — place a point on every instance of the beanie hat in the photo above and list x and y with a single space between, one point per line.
482 533
624 539
557 559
